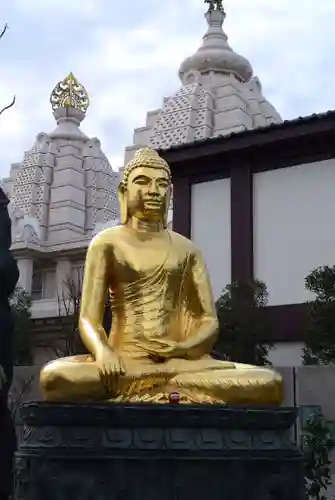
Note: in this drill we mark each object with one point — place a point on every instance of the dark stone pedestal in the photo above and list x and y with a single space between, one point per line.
157 452
7 450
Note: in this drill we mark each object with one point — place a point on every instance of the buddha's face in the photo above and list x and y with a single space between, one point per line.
148 193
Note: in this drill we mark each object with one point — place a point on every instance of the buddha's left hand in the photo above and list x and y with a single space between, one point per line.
160 350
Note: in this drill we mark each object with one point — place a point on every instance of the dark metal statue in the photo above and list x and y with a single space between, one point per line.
214 5
9 275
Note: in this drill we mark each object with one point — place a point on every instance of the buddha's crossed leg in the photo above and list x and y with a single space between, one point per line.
77 378
200 381
241 384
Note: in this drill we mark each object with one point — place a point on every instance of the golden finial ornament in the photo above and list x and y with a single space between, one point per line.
69 93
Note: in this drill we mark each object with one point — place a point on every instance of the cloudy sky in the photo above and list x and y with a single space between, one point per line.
127 54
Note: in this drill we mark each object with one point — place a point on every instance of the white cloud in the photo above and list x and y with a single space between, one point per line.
128 55
57 8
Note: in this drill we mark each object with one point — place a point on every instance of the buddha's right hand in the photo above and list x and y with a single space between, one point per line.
110 368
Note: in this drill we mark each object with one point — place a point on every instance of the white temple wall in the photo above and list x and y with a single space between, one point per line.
44 308
45 280
129 153
65 222
235 120
49 284
286 354
68 192
69 176
67 202
294 231
152 117
141 135
210 231
25 266
63 273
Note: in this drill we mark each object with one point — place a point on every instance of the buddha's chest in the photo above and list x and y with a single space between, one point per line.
136 259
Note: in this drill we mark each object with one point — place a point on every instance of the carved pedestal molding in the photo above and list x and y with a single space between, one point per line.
157 451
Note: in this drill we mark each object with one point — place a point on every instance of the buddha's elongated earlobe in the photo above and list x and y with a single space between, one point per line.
167 208
123 204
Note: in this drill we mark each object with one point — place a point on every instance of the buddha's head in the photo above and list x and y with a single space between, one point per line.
145 189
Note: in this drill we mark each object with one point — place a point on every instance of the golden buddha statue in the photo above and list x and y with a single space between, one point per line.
164 319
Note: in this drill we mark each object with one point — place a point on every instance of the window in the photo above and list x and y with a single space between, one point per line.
43 283
78 274
49 284
37 285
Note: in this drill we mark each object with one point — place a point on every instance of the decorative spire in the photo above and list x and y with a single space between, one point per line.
69 101
215 53
69 93
214 5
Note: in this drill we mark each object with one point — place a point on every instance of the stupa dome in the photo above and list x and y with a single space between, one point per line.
215 54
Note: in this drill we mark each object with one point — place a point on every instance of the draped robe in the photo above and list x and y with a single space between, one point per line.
160 295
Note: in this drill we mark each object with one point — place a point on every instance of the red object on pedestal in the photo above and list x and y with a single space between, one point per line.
174 397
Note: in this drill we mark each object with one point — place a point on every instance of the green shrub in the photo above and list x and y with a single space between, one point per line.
318 442
320 334
242 323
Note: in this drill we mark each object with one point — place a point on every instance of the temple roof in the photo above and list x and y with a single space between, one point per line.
215 54
65 185
218 96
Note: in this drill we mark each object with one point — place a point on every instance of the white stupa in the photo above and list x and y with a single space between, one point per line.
65 186
218 95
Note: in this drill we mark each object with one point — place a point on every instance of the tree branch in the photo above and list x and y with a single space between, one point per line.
9 105
5 28
18 392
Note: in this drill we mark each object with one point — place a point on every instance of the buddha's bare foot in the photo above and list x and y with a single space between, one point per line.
160 397
166 398
198 399
155 396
